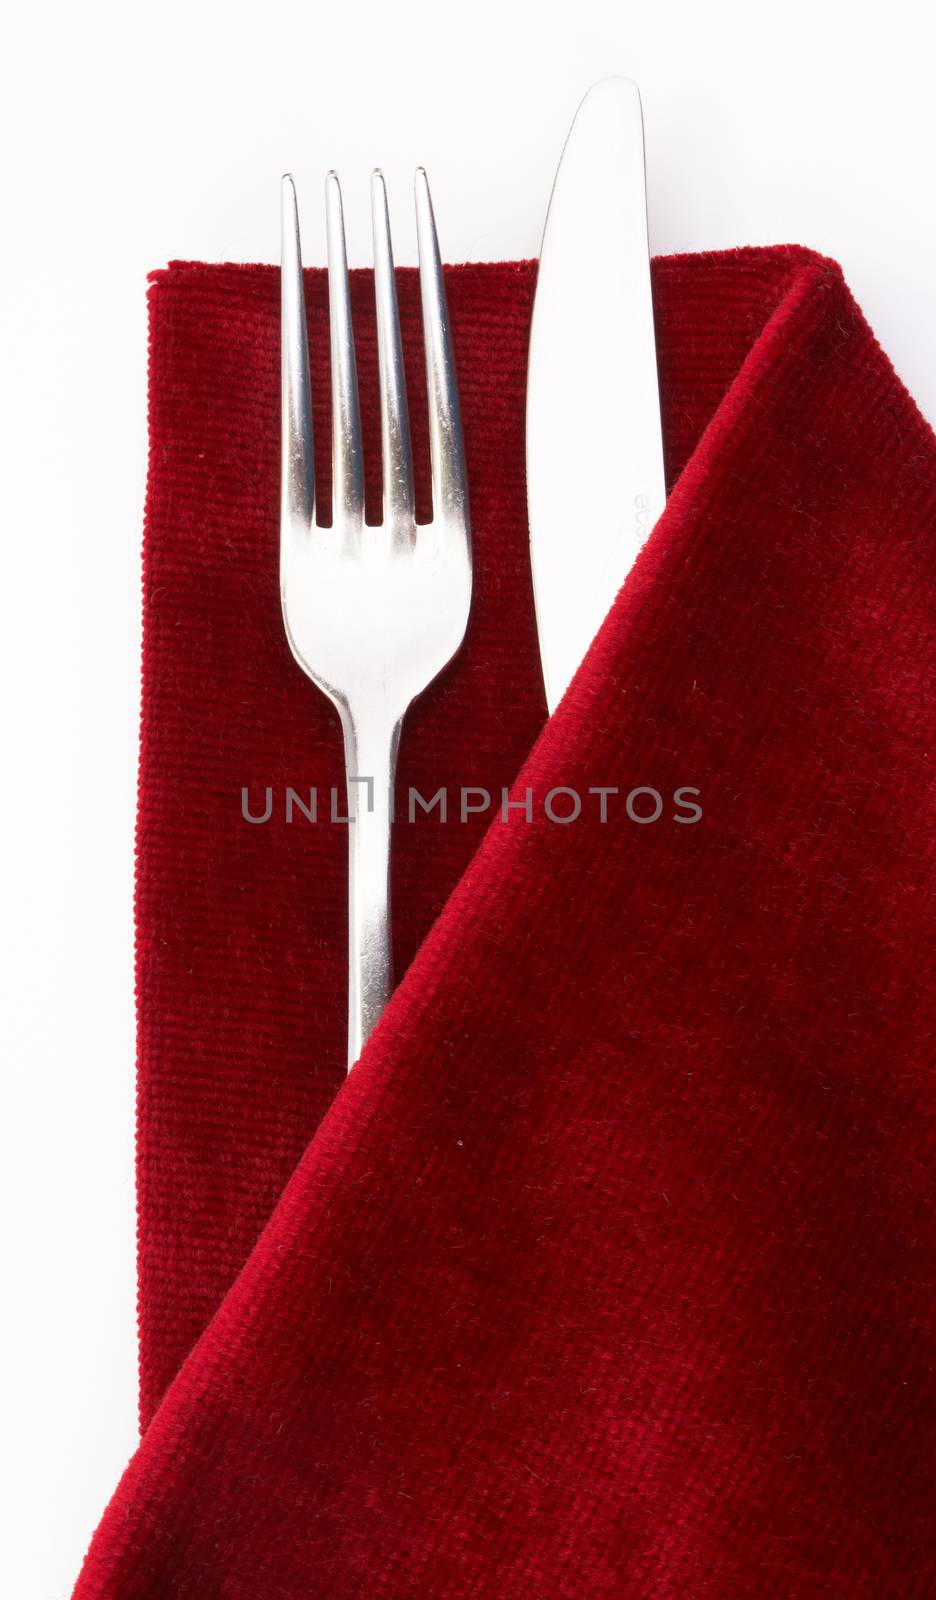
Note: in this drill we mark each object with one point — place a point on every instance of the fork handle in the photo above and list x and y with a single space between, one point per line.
370 766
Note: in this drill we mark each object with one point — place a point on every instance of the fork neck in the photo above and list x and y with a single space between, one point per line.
371 748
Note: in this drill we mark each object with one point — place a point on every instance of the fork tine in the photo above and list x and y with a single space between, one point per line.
347 454
298 471
398 494
449 478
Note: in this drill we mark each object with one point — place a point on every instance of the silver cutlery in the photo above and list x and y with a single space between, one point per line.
595 484
372 613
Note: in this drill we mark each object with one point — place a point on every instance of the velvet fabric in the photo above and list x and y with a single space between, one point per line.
609 1270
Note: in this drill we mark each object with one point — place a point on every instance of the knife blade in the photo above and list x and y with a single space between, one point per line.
594 445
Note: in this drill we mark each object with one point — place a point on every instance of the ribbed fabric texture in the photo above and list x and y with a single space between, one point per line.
609 1270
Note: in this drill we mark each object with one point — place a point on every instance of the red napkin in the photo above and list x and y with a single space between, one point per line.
608 1272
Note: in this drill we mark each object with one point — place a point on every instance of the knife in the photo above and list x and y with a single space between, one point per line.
594 445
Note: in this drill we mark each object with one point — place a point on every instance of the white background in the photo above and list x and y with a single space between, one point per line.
131 135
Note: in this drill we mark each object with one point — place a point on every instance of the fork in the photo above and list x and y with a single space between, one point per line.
372 613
